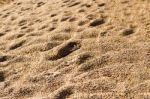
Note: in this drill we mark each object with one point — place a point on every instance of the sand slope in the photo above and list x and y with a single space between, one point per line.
75 49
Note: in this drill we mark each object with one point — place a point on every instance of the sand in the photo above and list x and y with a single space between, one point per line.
74 49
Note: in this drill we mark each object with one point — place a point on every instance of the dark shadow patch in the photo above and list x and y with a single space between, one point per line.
64 18
82 22
101 4
53 15
66 1
99 62
23 91
127 32
2 34
74 4
103 33
63 93
16 45
65 49
40 4
2 78
72 19
68 48
22 22
97 22
88 5
81 10
24 27
4 58
15 36
51 28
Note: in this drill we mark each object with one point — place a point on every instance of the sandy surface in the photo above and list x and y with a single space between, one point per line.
74 49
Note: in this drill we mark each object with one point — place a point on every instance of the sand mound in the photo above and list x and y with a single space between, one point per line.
75 49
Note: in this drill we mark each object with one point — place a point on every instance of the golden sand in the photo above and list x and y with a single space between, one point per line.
74 49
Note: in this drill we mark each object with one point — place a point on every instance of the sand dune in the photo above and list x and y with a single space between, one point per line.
74 49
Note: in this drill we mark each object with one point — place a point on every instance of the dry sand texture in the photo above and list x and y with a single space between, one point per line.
75 49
